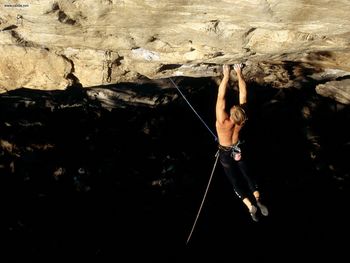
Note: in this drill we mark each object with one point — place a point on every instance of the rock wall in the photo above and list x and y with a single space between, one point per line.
46 44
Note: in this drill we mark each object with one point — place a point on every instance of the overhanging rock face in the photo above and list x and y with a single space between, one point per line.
44 43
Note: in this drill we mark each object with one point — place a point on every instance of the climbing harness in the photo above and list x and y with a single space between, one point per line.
216 159
234 149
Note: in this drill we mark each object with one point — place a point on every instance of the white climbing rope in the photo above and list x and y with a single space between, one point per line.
205 194
189 104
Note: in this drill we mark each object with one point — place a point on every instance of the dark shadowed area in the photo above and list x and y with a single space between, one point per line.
82 182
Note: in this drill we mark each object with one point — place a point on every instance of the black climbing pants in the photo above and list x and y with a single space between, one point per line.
237 173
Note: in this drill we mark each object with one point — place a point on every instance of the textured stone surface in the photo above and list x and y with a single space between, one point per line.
337 90
111 41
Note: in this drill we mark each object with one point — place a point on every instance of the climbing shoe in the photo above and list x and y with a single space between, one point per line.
253 214
263 209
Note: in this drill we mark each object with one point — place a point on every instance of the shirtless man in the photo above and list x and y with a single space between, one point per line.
228 127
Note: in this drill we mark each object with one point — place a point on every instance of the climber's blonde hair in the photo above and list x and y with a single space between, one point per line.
238 115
